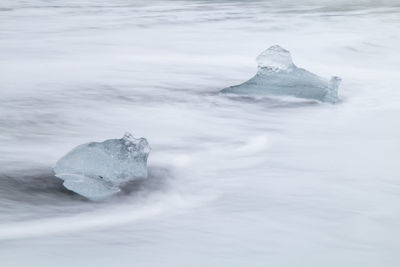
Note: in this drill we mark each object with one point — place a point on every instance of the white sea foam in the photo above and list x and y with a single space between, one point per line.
233 181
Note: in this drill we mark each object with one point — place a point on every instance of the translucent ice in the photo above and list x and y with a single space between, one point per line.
277 75
96 170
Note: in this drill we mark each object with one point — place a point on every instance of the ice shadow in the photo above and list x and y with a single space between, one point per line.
38 187
275 102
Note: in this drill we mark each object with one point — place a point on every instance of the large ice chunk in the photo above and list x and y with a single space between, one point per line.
277 75
96 170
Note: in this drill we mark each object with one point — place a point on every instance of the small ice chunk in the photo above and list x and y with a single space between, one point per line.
96 170
275 58
277 75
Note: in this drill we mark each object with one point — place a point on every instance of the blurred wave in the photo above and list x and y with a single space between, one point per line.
233 181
